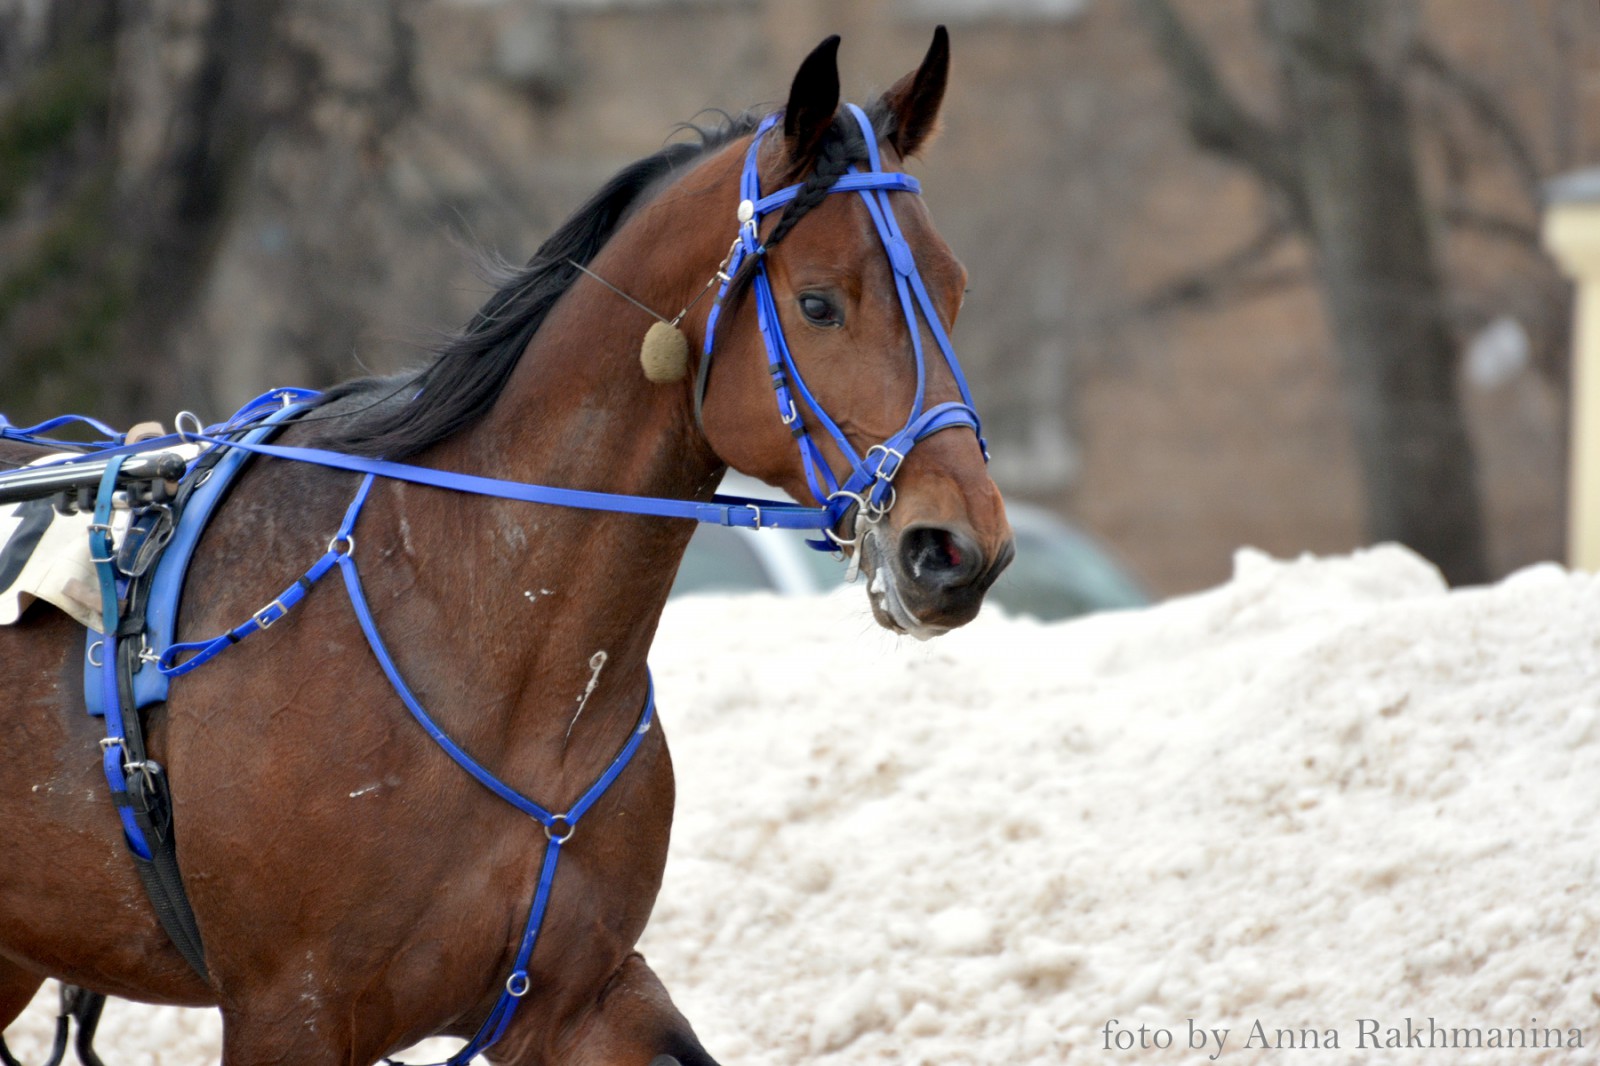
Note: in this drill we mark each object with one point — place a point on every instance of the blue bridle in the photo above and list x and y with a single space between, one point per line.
870 482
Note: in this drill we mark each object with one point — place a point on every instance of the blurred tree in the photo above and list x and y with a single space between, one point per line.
1344 168
62 288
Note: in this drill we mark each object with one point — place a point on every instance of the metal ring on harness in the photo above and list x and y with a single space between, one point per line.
178 426
863 508
517 984
349 542
89 653
555 837
875 513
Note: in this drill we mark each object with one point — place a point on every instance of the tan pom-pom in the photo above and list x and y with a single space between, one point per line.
664 354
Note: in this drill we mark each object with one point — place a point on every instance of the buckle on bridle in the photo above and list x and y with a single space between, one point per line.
889 465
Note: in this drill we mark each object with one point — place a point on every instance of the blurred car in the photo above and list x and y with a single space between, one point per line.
1059 571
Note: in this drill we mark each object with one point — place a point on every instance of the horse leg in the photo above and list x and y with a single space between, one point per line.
86 1007
17 987
632 1022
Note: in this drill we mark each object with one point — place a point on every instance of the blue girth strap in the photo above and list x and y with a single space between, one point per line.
111 748
871 477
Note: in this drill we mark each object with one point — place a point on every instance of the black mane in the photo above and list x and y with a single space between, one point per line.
471 368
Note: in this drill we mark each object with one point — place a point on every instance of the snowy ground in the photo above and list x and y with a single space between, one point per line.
1329 797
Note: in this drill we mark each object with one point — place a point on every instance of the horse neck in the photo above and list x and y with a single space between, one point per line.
563 603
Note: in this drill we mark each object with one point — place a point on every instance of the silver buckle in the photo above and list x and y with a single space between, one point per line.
899 458
111 543
261 619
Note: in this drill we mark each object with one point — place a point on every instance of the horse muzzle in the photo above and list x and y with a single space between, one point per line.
928 579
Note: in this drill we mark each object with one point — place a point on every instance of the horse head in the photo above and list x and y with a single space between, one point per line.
838 299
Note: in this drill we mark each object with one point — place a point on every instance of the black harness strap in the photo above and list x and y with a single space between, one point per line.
148 794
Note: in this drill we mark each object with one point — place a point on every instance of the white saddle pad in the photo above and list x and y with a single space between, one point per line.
44 555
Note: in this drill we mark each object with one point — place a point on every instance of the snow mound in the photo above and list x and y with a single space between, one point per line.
1329 797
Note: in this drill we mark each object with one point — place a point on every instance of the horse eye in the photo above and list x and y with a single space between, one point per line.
818 309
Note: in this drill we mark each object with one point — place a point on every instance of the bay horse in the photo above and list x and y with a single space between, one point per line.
355 890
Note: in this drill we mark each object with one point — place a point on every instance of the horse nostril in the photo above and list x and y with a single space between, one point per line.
939 557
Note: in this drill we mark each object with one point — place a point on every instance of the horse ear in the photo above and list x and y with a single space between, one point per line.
913 103
813 99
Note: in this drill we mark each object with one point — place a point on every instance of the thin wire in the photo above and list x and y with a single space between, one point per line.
659 318
619 292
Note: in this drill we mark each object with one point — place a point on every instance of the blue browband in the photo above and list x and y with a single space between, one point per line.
870 483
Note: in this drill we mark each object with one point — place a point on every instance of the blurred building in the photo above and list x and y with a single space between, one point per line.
288 192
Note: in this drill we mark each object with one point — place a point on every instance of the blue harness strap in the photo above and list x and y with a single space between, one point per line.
257 420
722 510
111 748
558 827
37 434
